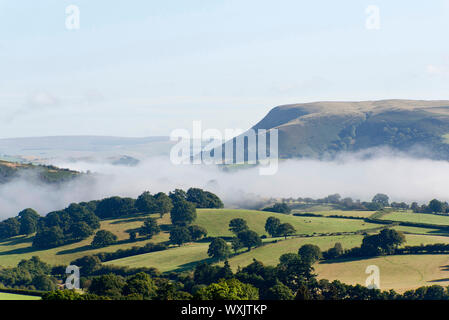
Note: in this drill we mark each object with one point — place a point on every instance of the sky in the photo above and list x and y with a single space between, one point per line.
144 68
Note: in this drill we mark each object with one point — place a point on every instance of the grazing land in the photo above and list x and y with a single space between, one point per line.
11 296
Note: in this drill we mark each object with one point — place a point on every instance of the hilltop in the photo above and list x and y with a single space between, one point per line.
326 128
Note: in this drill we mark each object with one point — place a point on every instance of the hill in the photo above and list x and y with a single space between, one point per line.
321 129
43 173
113 150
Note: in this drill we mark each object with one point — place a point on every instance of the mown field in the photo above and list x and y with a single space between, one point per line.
401 272
11 296
217 220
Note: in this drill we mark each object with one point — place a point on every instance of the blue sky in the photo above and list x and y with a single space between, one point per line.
143 68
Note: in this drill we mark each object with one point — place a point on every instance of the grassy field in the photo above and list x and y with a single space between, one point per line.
400 273
355 213
216 221
18 248
186 256
11 296
174 259
417 217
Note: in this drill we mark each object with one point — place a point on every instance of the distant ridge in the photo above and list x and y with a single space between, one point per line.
325 128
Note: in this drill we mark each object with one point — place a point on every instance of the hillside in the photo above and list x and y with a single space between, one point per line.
43 173
320 129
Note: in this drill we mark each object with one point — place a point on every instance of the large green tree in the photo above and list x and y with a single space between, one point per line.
183 213
149 228
103 238
218 249
272 226
238 225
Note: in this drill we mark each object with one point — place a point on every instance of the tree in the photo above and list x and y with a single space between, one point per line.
87 264
107 285
80 230
334 252
149 228
280 292
231 289
286 229
384 242
183 213
236 244
115 207
218 249
436 206
180 235
9 228
197 232
237 225
381 199
294 271
249 239
177 195
279 207
103 238
48 237
415 207
310 253
140 284
28 221
132 235
272 226
163 203
146 203
203 199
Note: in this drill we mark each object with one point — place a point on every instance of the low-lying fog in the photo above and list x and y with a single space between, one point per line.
402 177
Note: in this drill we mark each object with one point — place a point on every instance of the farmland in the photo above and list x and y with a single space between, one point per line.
322 231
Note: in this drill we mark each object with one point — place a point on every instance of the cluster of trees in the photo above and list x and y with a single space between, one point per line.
24 224
386 242
434 206
75 223
203 199
32 274
275 228
378 202
279 207
244 237
80 220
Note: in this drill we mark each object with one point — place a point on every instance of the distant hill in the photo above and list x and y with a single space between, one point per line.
114 150
320 129
46 174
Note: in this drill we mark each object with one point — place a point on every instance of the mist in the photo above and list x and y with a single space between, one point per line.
402 177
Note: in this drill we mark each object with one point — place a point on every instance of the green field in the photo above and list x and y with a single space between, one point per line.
18 248
216 221
174 259
11 296
346 213
417 217
401 273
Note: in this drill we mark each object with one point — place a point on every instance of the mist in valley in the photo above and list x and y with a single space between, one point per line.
402 177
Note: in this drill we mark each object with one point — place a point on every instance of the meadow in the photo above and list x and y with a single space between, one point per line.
12 296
